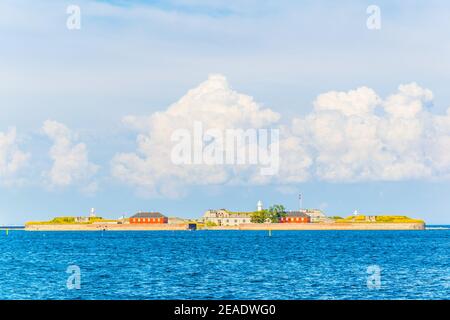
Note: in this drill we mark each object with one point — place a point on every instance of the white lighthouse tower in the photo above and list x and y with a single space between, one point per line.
259 206
92 213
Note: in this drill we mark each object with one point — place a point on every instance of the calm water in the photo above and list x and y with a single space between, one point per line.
225 264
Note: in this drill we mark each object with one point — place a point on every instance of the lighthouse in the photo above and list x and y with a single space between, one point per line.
259 206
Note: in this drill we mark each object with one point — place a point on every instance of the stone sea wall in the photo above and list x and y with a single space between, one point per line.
334 226
324 226
247 226
105 226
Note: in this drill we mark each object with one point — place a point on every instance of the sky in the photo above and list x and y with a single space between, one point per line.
87 114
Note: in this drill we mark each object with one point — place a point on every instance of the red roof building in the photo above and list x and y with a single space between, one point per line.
149 217
295 217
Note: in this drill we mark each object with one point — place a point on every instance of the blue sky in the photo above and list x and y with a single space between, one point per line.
139 57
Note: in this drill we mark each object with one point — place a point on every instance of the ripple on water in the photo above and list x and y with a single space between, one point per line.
226 265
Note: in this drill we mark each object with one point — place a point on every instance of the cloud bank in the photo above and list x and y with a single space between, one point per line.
353 136
347 137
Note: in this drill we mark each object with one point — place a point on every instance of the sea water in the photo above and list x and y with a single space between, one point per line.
225 265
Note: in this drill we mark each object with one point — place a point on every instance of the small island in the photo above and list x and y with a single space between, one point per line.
275 217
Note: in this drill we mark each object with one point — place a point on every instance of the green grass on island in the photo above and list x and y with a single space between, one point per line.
378 219
70 220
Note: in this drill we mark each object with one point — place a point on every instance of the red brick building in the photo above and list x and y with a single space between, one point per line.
295 217
149 217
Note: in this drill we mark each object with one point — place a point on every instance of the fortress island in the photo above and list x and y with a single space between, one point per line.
274 218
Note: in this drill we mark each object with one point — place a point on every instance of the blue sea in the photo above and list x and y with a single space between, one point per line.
225 265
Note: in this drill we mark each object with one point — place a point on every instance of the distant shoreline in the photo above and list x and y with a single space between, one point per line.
12 227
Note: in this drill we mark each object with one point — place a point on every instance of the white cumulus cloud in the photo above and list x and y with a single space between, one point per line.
12 159
71 165
213 104
357 136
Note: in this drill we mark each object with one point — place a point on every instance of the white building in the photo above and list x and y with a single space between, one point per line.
222 217
316 215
